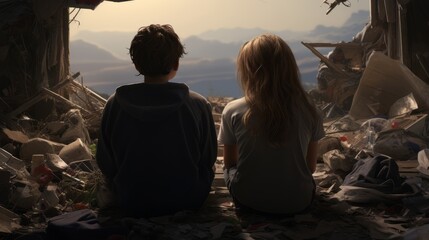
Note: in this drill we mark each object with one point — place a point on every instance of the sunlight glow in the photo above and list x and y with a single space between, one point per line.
192 17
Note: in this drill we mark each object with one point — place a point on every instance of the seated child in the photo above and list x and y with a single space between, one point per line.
158 142
270 135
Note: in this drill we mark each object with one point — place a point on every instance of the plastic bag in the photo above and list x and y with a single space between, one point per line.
399 144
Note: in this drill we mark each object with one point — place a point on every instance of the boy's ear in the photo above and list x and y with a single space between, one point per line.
176 66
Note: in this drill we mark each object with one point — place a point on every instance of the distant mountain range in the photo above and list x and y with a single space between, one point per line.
208 67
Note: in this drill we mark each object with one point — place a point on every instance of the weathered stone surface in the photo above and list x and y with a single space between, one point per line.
38 146
16 136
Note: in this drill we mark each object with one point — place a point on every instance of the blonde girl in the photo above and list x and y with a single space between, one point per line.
270 136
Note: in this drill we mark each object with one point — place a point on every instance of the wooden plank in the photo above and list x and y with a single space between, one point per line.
63 99
373 9
91 93
40 96
64 83
26 105
342 45
324 59
407 164
403 33
424 62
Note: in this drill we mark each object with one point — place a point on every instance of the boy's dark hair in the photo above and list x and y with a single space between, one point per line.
155 49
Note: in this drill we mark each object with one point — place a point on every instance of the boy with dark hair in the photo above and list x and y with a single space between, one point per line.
158 142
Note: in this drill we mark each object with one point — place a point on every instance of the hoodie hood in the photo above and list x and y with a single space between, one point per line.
151 102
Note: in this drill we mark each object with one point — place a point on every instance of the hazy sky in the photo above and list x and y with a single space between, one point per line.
191 17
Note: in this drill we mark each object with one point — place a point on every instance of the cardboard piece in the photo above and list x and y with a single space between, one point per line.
383 82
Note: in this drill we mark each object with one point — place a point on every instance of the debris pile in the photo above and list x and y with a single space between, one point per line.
374 153
47 165
372 174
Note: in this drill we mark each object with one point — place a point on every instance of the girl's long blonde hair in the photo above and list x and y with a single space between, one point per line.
270 79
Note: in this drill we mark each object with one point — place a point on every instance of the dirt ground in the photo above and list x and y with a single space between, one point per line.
328 218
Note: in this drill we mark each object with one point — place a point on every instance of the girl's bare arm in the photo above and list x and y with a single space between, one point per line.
230 156
313 148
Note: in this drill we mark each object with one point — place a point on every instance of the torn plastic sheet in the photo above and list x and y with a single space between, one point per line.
403 106
400 144
12 164
423 159
9 221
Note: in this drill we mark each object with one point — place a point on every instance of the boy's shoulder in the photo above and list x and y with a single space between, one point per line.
198 103
194 96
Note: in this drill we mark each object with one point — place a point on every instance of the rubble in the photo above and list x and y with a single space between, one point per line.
338 161
73 181
75 151
9 221
77 184
372 104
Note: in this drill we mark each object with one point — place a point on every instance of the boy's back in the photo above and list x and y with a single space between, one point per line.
157 146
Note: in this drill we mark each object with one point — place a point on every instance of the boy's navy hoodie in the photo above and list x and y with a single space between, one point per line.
157 148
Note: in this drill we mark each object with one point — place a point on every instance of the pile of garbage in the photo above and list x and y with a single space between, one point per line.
47 165
376 150
48 179
387 115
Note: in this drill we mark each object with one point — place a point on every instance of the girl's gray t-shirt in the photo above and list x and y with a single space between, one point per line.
269 179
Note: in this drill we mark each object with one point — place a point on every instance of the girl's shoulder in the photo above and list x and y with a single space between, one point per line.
236 105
